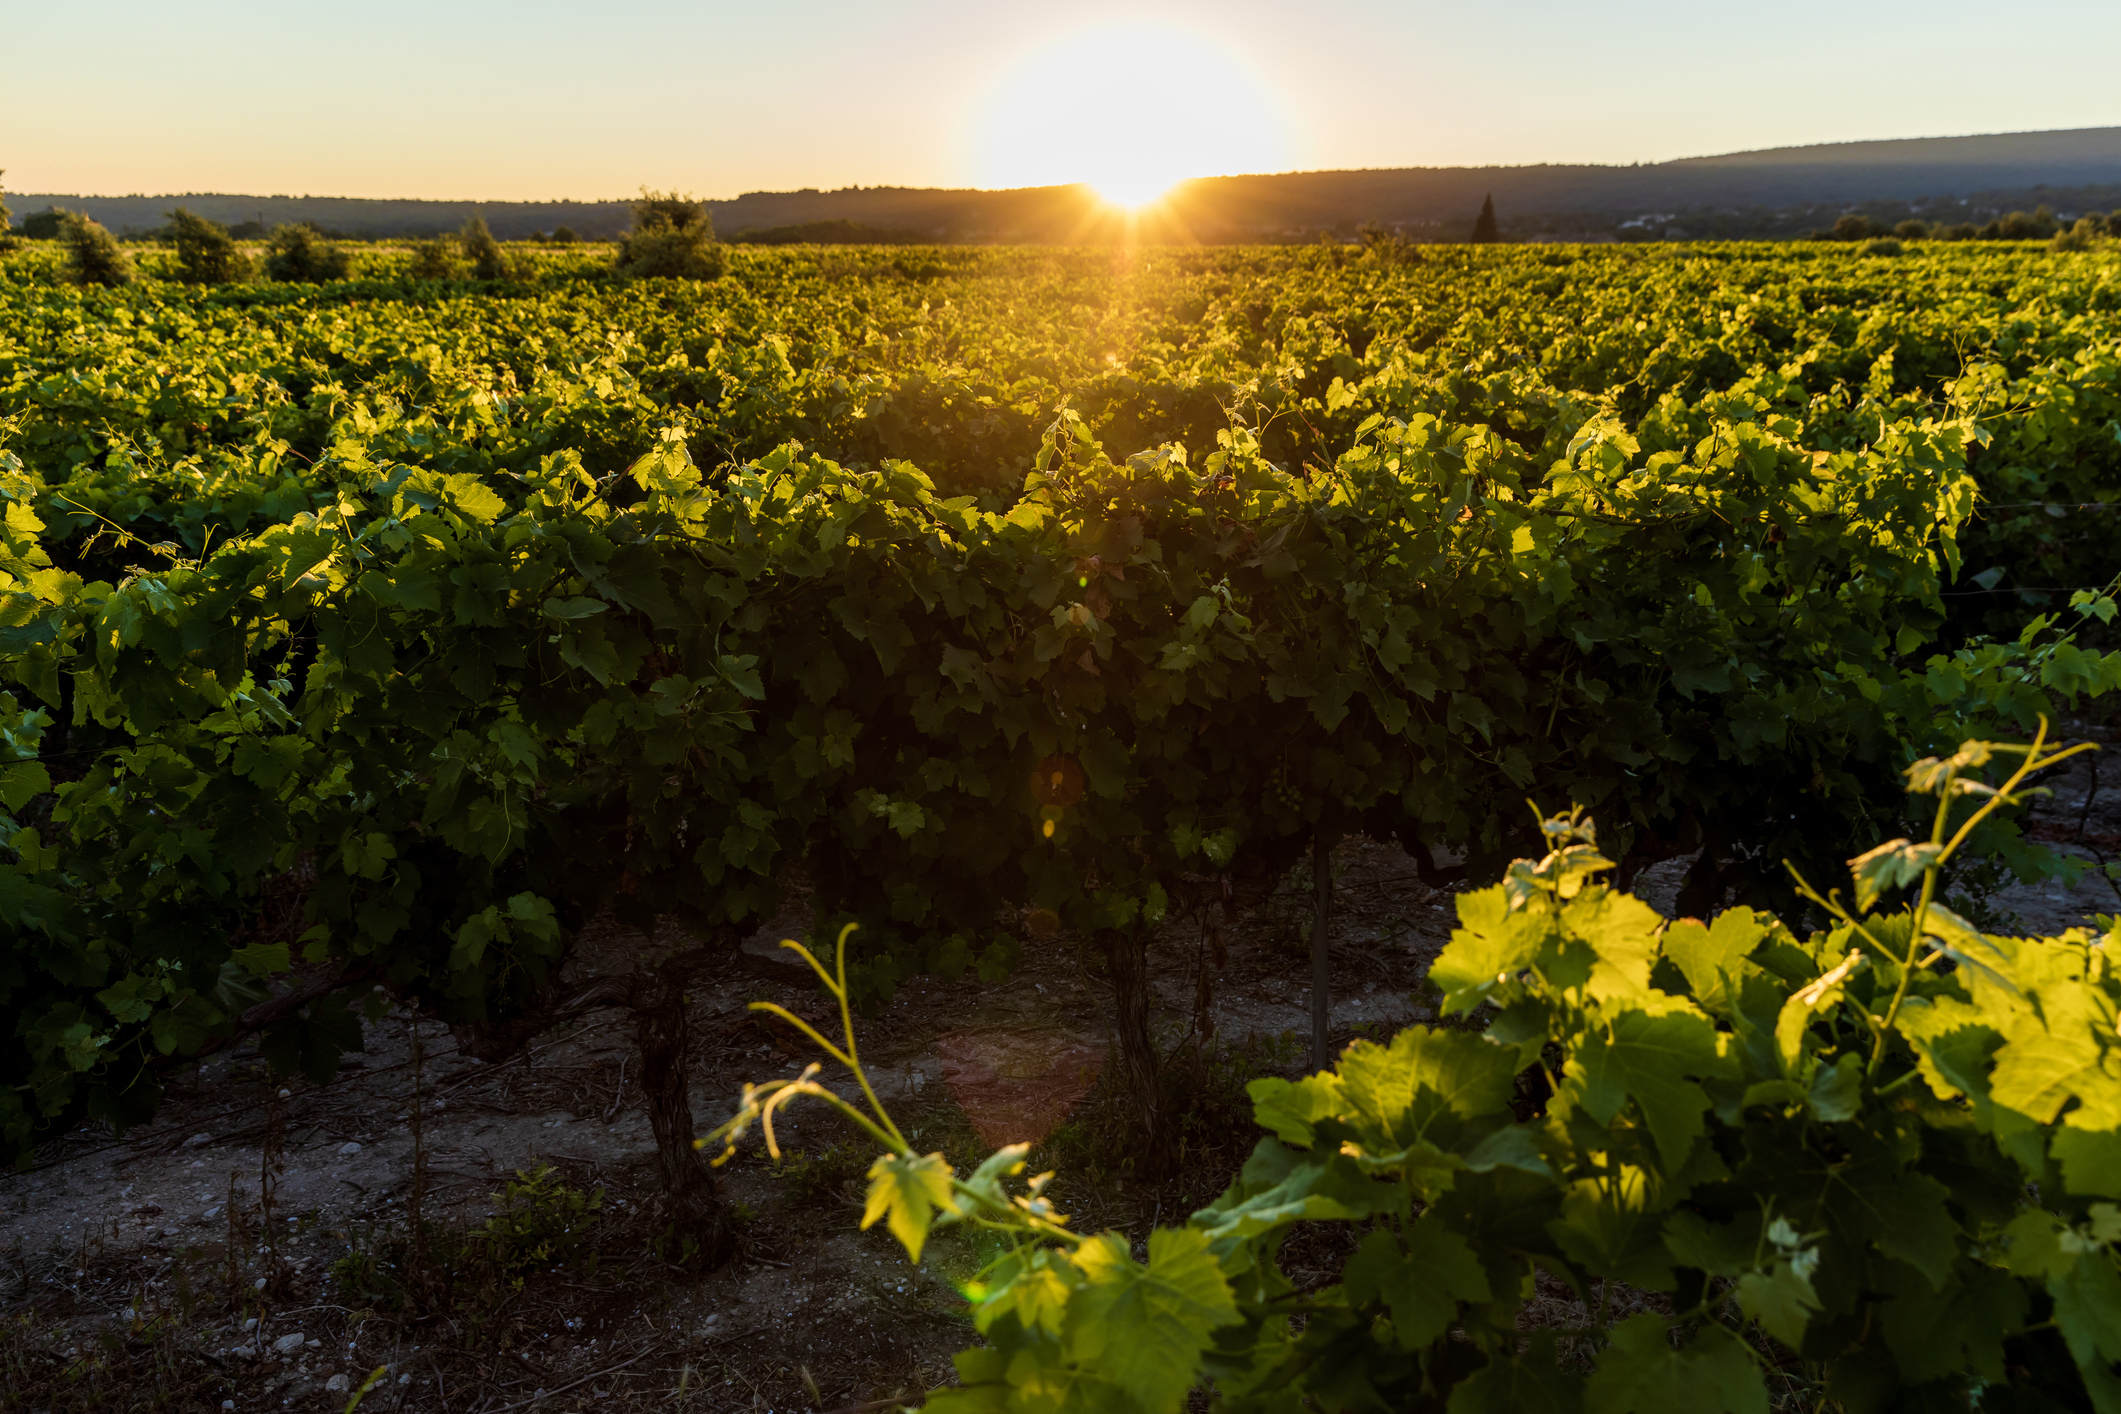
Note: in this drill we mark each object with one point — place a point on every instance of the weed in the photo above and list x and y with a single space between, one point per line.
541 1223
805 1177
145 1362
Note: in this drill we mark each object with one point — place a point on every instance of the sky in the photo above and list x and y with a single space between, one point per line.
530 100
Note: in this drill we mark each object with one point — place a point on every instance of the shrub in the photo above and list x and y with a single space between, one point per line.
673 209
205 253
2081 236
1961 231
671 237
1882 245
435 259
2019 226
92 253
1855 227
301 255
541 1222
1912 230
43 225
563 235
488 261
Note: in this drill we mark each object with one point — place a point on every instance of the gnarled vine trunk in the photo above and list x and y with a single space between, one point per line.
653 990
700 1220
1127 957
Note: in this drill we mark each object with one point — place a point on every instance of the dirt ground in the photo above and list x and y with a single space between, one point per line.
152 1270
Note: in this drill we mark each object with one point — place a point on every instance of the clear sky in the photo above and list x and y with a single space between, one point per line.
529 99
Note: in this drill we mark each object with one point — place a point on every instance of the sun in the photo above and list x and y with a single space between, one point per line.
1131 110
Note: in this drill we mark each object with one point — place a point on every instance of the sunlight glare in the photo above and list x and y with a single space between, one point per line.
1131 110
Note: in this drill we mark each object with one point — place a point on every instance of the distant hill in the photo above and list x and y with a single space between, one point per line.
1996 169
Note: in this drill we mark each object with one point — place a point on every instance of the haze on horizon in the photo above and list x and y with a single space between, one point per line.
533 100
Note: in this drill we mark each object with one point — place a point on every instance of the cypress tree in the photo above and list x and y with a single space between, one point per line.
1484 228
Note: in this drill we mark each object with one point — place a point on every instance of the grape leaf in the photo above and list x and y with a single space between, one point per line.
1144 1326
1529 1381
1649 1058
1641 1373
908 1191
1421 1284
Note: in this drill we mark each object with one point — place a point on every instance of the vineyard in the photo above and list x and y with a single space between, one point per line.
498 654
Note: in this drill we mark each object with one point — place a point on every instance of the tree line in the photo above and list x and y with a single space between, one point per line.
670 235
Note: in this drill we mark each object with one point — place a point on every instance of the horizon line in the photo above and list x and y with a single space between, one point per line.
1061 186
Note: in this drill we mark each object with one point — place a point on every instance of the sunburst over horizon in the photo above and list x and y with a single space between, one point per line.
1131 111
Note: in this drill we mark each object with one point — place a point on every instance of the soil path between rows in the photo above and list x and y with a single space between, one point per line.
101 1231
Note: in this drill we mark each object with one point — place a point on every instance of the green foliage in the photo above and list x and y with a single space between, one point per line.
811 1179
1881 245
43 225
435 260
671 238
300 254
205 254
2087 233
92 254
541 1223
2037 225
840 232
488 261
670 211
471 620
666 253
1884 1155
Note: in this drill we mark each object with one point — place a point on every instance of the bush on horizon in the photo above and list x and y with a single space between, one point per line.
300 254
92 253
206 255
672 237
488 262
